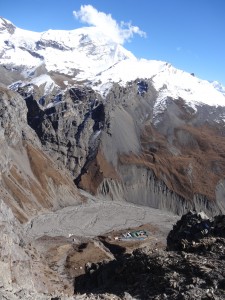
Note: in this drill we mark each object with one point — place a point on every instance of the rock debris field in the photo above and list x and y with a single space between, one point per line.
96 217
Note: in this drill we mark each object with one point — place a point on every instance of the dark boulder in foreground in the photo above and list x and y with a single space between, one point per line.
193 269
193 227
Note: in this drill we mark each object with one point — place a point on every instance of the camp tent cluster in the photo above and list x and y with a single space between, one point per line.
134 235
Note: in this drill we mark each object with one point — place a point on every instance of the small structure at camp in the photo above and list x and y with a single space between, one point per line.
134 235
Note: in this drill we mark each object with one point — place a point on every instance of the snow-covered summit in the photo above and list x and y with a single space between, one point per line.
69 52
89 56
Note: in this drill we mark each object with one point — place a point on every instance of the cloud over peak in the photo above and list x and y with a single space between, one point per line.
118 32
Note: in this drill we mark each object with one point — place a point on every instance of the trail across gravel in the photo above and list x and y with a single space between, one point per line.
97 217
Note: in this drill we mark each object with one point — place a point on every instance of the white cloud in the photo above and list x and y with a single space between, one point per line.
118 32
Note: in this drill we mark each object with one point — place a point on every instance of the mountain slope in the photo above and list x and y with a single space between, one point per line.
30 181
173 162
104 114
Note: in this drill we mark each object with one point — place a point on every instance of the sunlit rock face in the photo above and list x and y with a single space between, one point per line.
30 180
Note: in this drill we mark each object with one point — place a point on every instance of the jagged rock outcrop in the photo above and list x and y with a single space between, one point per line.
193 227
69 127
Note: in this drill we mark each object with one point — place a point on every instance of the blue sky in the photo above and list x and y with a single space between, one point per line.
190 34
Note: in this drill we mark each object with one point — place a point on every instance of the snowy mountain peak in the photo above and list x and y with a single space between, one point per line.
84 50
89 56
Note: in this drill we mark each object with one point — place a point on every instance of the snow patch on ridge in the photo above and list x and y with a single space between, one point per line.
167 80
42 80
46 81
89 56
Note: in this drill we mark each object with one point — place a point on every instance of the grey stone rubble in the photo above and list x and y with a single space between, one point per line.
192 227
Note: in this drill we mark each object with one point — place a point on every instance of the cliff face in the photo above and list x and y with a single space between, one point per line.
30 181
68 128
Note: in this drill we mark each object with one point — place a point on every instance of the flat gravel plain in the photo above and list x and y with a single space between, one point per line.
96 217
